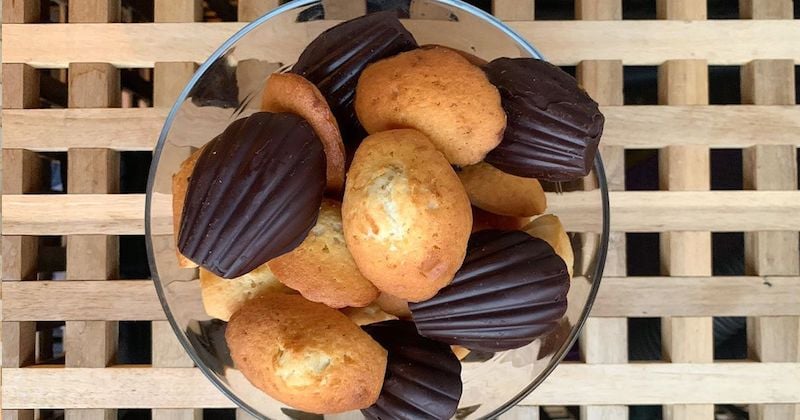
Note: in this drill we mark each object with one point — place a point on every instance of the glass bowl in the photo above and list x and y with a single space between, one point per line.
224 89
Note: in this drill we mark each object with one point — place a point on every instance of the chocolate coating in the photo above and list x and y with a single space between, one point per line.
335 59
423 377
254 194
553 126
511 289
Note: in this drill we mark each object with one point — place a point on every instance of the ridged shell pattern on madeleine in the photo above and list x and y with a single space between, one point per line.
254 194
511 289
423 377
553 127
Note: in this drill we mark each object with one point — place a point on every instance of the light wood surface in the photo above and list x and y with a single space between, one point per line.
251 9
619 297
774 167
169 78
21 174
685 168
683 127
21 88
634 211
21 11
511 10
343 10
19 263
94 11
172 11
605 340
92 344
521 412
632 127
765 9
598 9
643 383
635 42
681 9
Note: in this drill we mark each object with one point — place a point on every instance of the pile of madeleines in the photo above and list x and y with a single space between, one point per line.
382 217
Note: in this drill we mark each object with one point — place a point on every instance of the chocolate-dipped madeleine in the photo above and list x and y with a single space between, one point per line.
423 377
254 194
511 289
335 59
553 126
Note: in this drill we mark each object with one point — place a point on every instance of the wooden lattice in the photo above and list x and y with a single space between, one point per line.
93 130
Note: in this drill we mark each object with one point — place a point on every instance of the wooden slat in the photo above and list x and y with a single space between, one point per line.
21 86
681 9
62 129
685 168
19 343
521 412
765 9
169 80
93 85
634 127
598 9
605 340
21 11
618 297
243 415
82 300
341 10
634 211
250 10
178 10
20 257
92 344
21 174
725 42
510 10
131 387
771 339
640 383
661 211
647 127
167 351
771 253
84 214
178 413
93 11
722 296
768 82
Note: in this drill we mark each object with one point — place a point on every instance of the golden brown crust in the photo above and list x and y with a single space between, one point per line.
394 305
482 220
406 216
222 297
500 193
286 92
438 92
369 314
180 185
321 268
306 354
548 228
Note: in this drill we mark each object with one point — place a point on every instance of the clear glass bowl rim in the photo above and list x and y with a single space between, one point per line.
488 18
